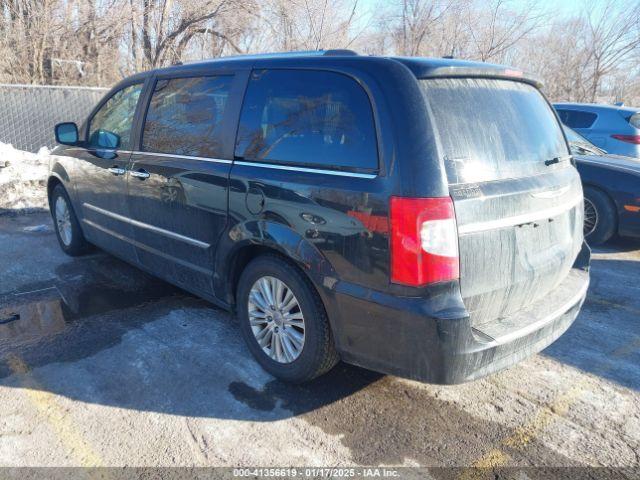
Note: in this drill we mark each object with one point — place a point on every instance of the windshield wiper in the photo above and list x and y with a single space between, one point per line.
590 150
585 149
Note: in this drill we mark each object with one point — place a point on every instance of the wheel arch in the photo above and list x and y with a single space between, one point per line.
58 176
52 182
249 240
607 194
596 186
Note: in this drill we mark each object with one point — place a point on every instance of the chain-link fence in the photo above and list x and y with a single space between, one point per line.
28 113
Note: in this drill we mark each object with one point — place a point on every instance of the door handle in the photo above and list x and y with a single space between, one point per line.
142 174
116 170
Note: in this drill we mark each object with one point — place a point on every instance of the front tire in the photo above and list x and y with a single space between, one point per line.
70 236
283 321
600 218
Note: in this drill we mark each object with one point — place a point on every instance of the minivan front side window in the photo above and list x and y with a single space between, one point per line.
185 116
111 125
307 118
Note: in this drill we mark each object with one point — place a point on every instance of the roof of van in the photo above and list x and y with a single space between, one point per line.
422 67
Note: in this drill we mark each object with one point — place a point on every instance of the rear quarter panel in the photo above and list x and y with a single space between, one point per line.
351 237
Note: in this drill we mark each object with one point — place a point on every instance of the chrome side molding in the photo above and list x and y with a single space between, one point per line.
337 173
147 248
184 157
146 226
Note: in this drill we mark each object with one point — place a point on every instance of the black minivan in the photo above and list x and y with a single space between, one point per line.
420 217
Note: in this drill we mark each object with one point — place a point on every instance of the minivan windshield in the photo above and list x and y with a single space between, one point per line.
493 129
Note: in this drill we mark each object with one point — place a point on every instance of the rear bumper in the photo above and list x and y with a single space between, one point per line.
432 339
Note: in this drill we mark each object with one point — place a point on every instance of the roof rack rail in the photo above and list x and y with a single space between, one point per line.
295 53
339 52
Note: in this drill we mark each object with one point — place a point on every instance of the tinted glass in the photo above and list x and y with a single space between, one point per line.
577 119
493 129
185 116
115 118
307 118
580 145
575 137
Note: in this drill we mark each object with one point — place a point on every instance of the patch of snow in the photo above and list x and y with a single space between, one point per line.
23 179
37 228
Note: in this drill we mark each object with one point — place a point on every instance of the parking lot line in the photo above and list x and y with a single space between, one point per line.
528 432
47 405
523 435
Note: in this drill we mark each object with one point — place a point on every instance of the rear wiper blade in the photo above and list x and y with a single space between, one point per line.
554 160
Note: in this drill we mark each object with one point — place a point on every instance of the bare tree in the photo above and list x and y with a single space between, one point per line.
417 19
496 28
591 55
559 56
307 24
167 27
613 38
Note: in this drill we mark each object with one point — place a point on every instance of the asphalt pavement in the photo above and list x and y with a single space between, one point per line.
103 365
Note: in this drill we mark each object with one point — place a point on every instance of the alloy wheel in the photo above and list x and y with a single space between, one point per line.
590 217
276 319
63 220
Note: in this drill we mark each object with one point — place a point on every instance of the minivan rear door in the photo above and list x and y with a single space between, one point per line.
517 197
178 179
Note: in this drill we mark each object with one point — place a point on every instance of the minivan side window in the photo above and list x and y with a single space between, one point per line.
115 119
577 118
185 116
308 118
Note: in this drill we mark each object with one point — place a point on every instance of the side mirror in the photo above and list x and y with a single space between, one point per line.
67 133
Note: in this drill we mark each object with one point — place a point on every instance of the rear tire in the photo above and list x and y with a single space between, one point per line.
65 222
601 219
310 351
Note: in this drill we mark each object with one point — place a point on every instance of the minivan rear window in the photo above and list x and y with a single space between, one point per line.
577 118
492 129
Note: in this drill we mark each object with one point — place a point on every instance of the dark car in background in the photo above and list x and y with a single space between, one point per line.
611 185
613 128
420 217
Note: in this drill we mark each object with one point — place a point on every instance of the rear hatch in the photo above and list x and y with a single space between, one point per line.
517 197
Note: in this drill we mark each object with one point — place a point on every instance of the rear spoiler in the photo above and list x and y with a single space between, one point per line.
446 67
504 73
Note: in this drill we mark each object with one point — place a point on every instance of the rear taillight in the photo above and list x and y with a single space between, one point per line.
635 139
424 241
